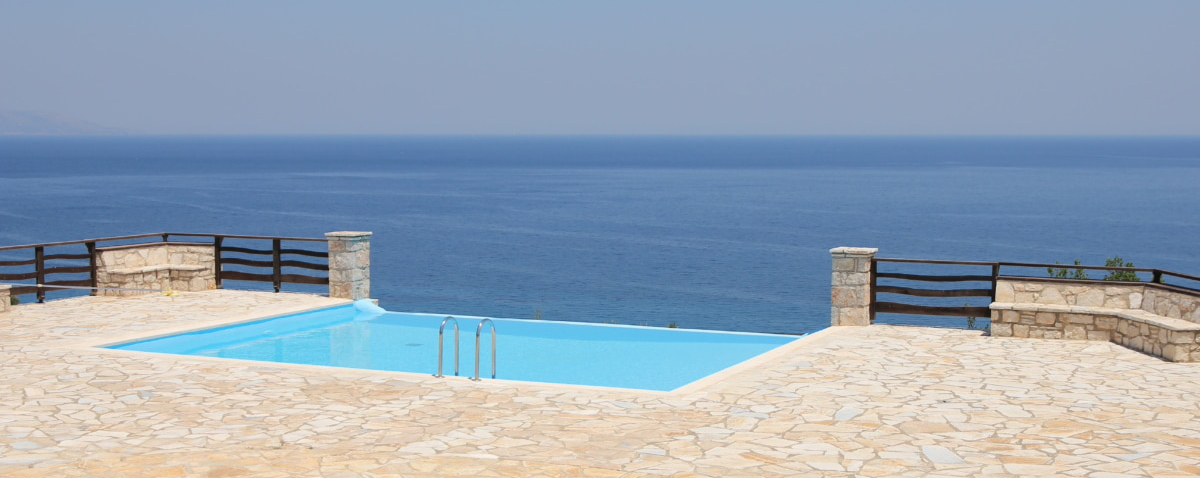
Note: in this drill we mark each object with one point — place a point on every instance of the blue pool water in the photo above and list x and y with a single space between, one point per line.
361 336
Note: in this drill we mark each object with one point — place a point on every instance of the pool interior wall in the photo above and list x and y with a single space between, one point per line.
361 335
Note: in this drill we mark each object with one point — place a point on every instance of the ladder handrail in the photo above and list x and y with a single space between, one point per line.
478 331
442 345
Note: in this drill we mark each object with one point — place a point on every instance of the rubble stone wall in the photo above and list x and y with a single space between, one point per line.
171 265
1142 317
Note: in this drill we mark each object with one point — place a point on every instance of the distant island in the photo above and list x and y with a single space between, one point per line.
35 123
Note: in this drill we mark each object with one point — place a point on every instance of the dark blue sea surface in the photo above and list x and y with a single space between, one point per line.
707 232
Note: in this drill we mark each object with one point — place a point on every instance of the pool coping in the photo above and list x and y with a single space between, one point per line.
98 345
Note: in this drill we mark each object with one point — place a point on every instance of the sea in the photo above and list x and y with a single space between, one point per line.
728 233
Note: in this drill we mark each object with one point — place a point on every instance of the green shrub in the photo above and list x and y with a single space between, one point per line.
1116 261
1077 273
1064 273
14 300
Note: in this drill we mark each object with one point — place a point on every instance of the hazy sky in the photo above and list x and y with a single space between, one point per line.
604 67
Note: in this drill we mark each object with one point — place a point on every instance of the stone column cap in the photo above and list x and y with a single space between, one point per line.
5 286
348 234
857 251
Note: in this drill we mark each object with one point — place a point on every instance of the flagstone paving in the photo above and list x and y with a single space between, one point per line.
852 401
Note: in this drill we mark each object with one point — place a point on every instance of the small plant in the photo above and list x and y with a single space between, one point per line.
970 320
14 300
537 314
1116 261
1065 273
1079 273
672 325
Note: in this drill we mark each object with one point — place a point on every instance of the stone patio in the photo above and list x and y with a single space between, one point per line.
849 401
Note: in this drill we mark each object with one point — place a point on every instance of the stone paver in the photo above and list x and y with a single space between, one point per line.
853 401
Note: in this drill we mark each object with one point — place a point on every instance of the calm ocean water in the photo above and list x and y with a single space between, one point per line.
720 233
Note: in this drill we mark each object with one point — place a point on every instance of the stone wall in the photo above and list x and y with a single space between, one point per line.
1171 304
1143 317
1057 293
1148 297
850 293
1146 336
176 266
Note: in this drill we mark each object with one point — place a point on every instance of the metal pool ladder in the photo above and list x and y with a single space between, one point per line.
442 345
478 335
479 330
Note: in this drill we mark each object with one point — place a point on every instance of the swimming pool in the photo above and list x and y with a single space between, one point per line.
363 336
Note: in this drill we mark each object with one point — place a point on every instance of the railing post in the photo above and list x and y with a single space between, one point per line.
91 247
39 256
349 264
851 292
1157 277
277 273
217 240
871 291
165 237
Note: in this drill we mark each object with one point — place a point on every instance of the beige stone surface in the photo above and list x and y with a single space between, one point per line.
854 401
178 266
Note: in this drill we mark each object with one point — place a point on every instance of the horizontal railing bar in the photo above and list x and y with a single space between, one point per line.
304 265
1073 266
246 262
232 236
159 234
935 261
21 276
934 292
18 263
303 279
1180 275
304 252
932 278
898 308
1070 280
239 275
66 270
23 290
245 250
67 256
117 247
81 241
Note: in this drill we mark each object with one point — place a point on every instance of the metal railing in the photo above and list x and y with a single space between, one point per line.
442 345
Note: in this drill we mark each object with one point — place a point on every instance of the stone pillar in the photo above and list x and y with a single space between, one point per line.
4 297
851 291
349 264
